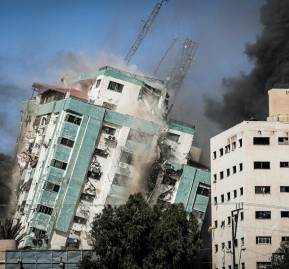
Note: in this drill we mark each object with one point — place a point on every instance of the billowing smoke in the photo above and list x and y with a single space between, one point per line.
245 96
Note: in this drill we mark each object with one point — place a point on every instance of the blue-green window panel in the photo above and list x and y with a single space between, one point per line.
204 176
40 219
181 128
186 182
201 203
48 198
55 175
62 153
74 187
69 130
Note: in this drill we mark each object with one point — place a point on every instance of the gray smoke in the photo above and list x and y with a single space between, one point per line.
246 96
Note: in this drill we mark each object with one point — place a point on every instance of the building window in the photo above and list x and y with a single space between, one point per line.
221 175
283 141
235 193
223 245
284 188
242 241
229 220
236 243
229 244
203 189
215 200
241 191
263 240
242 265
109 106
227 148
228 196
49 186
241 167
44 209
284 164
214 155
285 238
108 130
172 137
114 86
97 83
216 224
126 157
261 165
263 214
233 145
242 215
223 224
234 169
263 265
228 172
216 247
262 189
284 214
222 198
73 119
221 152
79 220
215 177
261 140
240 143
66 142
58 164
101 152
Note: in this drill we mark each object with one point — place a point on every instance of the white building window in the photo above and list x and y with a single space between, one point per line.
261 165
283 140
214 155
114 86
234 169
263 240
262 189
235 193
228 172
240 142
221 152
222 198
284 214
263 214
261 140
240 167
221 175
284 164
285 238
284 188
97 83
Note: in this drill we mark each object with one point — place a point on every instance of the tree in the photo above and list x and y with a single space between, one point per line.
280 259
10 229
136 235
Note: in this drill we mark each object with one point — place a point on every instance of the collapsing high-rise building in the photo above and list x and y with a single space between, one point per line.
93 143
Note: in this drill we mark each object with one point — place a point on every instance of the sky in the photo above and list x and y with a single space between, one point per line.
43 40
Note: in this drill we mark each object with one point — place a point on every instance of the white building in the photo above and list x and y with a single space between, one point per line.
250 179
82 149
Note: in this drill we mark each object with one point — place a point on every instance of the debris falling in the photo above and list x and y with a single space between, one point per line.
245 97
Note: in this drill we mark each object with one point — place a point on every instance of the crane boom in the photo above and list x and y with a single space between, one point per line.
144 30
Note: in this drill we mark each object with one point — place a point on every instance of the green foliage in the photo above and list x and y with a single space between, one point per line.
280 259
136 236
10 229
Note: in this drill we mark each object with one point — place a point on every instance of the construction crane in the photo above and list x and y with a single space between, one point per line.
172 44
178 73
184 61
144 30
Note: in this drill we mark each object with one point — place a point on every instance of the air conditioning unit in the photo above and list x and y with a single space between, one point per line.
109 137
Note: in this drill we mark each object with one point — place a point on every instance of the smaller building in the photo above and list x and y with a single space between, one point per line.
250 189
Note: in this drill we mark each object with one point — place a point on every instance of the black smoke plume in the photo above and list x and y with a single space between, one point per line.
245 96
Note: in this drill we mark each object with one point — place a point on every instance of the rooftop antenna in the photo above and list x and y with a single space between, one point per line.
172 44
143 32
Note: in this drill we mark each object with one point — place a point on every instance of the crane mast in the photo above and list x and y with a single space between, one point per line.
182 65
144 30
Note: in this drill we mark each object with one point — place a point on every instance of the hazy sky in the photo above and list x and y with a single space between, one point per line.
41 39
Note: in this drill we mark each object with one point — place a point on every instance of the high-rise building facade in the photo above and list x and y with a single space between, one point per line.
80 150
250 188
